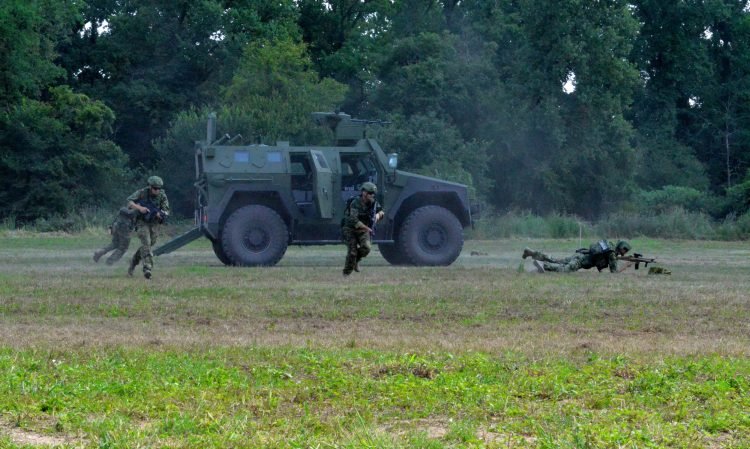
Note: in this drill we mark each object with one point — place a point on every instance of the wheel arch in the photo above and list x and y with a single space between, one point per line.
448 200
239 197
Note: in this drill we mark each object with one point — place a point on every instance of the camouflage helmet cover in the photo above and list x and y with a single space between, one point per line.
155 181
623 245
369 187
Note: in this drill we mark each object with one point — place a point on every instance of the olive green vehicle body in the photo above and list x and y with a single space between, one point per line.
255 200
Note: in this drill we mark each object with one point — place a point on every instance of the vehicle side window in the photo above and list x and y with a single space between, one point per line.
301 172
320 160
357 169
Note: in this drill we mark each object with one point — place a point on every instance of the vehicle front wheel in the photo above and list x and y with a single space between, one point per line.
254 235
392 254
431 235
219 251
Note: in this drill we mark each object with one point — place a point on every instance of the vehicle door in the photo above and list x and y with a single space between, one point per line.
322 184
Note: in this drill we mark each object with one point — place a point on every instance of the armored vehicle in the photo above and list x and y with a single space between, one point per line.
255 200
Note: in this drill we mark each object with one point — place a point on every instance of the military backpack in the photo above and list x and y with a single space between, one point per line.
599 253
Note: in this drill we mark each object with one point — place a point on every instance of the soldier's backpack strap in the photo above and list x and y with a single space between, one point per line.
347 208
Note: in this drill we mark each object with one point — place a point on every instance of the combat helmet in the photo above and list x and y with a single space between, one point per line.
155 181
369 187
623 245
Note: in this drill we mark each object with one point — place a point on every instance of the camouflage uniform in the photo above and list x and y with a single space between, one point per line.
357 218
580 260
147 232
120 230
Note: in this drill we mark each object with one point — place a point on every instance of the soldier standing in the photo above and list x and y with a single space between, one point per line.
601 255
360 217
120 230
148 221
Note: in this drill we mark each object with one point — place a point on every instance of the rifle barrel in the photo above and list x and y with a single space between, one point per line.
637 259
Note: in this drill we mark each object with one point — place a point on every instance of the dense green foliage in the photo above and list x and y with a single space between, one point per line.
64 160
571 107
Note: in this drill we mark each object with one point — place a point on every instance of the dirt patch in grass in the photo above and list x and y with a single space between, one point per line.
24 437
434 428
438 428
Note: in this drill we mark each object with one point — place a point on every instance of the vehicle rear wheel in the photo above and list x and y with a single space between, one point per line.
219 251
431 235
392 254
254 235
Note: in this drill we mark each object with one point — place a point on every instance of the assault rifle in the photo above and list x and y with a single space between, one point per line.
638 259
374 216
154 214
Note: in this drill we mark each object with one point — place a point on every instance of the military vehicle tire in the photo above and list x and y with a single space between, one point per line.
392 254
431 235
254 235
219 251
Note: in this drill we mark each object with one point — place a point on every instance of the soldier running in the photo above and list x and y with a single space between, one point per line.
360 217
148 224
120 230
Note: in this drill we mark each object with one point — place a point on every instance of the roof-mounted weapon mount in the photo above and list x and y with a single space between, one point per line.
348 130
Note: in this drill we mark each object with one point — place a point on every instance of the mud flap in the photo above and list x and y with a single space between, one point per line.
179 241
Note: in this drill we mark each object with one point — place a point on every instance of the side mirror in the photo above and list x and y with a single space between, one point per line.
393 160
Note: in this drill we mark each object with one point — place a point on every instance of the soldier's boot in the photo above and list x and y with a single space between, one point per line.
350 263
527 252
356 265
148 264
539 266
98 255
131 268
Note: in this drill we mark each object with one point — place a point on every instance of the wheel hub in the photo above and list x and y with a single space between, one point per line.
433 238
256 239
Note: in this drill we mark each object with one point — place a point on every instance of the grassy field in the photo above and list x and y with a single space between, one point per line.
478 354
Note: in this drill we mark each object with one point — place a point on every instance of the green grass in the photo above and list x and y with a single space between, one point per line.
297 397
296 356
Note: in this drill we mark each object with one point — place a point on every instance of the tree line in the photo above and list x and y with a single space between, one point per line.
573 106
